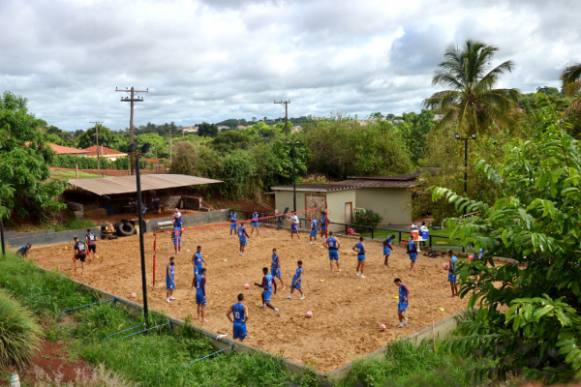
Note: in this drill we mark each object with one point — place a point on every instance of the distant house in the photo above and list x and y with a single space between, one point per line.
104 152
389 196
190 129
65 150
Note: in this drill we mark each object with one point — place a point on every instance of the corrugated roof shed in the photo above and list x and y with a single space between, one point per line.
126 184
405 181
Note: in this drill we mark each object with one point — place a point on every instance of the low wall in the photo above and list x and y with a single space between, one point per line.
17 239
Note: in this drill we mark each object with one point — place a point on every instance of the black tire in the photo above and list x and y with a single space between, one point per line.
126 228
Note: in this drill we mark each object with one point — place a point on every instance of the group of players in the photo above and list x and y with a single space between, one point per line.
238 313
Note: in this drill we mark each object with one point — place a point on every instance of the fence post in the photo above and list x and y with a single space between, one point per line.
399 237
372 232
430 241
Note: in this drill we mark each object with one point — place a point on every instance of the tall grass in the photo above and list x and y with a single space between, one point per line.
161 358
19 333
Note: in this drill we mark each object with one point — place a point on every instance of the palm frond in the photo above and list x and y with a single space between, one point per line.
571 77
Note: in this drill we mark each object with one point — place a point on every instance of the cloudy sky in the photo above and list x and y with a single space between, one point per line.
215 59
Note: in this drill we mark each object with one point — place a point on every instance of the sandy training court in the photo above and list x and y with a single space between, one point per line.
346 308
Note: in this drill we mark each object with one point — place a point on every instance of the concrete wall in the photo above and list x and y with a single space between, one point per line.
17 239
336 204
394 205
283 199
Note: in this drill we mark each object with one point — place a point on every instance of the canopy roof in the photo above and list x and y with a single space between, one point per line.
126 184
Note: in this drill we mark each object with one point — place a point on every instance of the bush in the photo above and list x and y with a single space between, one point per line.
366 219
19 333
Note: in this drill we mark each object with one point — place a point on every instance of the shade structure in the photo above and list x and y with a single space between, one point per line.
114 185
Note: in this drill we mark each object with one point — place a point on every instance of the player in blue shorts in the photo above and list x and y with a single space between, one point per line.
267 285
170 279
177 231
314 227
242 238
323 223
387 249
402 304
412 250
198 263
294 219
297 282
275 269
254 223
359 248
452 276
238 315
233 222
333 245
23 250
201 294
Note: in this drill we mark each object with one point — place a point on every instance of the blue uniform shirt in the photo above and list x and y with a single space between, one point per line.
275 262
241 233
332 243
233 217
239 313
255 217
178 222
412 248
360 248
198 261
314 224
200 282
297 277
403 294
268 283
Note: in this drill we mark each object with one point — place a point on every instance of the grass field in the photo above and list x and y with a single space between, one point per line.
64 175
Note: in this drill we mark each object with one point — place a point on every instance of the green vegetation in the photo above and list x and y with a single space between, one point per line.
535 220
162 358
66 175
19 334
365 220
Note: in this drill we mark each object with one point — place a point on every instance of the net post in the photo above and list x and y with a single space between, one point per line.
154 259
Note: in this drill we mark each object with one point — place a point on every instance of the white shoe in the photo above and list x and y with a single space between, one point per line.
302 297
401 325
172 298
276 310
362 276
168 299
290 297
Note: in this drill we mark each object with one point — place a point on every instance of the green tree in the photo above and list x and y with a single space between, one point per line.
159 146
472 104
107 138
205 129
528 316
414 128
239 174
571 78
25 192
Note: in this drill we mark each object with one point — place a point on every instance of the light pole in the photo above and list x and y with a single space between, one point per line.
465 139
144 149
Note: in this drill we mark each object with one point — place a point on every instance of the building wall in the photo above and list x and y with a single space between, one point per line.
283 199
336 204
393 204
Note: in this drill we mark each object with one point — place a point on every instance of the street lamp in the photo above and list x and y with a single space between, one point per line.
137 155
293 154
465 139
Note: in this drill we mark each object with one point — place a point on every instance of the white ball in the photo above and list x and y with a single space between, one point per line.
309 314
381 327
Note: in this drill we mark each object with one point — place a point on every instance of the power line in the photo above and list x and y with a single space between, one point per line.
285 103
132 98
97 126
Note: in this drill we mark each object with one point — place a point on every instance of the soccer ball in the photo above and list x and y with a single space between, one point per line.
247 286
381 327
309 314
445 266
132 295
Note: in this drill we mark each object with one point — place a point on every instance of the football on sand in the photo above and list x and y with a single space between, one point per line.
309 314
381 327
246 286
445 266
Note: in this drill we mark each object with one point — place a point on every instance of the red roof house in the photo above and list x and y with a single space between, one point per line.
66 150
104 152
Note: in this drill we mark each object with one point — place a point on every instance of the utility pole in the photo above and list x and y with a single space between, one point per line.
293 154
132 98
285 103
97 126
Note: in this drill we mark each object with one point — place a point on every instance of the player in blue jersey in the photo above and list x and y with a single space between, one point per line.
268 289
452 276
359 248
333 245
323 223
242 238
387 249
24 250
233 222
170 279
297 282
403 300
198 263
412 250
254 223
314 227
177 230
238 316
201 294
275 269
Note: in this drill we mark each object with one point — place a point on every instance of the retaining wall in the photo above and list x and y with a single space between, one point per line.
17 239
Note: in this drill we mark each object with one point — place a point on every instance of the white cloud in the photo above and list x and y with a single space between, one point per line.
210 60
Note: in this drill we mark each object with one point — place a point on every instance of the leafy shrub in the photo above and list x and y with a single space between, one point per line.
366 219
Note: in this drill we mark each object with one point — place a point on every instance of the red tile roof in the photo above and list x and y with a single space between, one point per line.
103 151
65 150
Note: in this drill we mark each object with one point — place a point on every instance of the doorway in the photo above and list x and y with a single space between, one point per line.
348 212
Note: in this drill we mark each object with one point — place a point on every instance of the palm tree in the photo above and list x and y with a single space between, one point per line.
472 103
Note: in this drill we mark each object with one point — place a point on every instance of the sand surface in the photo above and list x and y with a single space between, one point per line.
346 308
